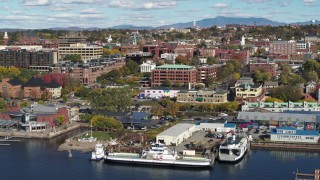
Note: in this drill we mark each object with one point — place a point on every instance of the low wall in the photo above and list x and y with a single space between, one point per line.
40 135
285 146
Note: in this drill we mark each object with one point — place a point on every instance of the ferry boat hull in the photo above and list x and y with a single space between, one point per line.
241 147
155 162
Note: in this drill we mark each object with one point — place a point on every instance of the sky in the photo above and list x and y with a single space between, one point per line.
36 14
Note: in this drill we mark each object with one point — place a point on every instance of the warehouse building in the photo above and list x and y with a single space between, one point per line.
176 134
290 134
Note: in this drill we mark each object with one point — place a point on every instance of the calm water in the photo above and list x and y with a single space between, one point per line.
36 159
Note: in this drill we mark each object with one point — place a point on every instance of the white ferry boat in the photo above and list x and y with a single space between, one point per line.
233 149
160 155
98 153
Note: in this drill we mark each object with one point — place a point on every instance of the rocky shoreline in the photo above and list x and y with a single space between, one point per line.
76 145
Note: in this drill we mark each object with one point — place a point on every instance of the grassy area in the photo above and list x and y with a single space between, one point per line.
100 135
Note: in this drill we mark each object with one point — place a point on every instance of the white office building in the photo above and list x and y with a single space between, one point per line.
147 66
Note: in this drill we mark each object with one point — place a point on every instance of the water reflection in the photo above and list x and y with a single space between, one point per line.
292 155
232 169
159 172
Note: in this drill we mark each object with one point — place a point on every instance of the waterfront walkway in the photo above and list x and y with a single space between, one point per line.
46 134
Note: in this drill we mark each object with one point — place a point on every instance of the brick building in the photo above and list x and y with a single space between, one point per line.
129 49
207 52
283 47
174 73
206 71
26 58
11 88
87 73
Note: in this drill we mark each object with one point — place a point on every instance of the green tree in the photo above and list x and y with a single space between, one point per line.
157 110
311 76
3 106
212 60
311 65
111 99
271 99
167 83
287 93
24 104
172 108
85 117
60 119
132 66
75 58
195 61
99 121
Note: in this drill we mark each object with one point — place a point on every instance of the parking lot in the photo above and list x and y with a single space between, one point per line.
198 139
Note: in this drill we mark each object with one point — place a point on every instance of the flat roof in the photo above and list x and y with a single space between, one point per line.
267 116
176 130
175 66
298 131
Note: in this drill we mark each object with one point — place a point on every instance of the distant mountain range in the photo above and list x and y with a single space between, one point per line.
204 23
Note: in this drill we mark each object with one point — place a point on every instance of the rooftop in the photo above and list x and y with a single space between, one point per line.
176 130
175 66
297 131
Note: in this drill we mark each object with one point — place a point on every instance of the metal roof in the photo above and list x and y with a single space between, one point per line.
175 66
176 130
297 131
7 122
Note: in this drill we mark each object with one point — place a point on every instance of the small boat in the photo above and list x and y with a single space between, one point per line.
233 149
160 155
98 153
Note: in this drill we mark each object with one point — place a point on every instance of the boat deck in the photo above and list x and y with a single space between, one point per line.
185 162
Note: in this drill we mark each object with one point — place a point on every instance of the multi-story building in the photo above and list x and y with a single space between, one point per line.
25 58
202 96
251 93
291 134
86 52
174 73
205 71
36 87
281 106
72 38
244 80
207 52
266 67
283 47
11 88
147 66
87 73
125 49
171 57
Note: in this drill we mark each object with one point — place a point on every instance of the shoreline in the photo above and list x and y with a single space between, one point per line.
41 134
286 146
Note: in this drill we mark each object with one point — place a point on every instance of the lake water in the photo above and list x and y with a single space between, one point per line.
39 159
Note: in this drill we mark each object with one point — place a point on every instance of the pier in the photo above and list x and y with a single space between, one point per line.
40 134
285 146
305 176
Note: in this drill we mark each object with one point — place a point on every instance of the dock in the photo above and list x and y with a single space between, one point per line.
42 134
285 146
306 176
